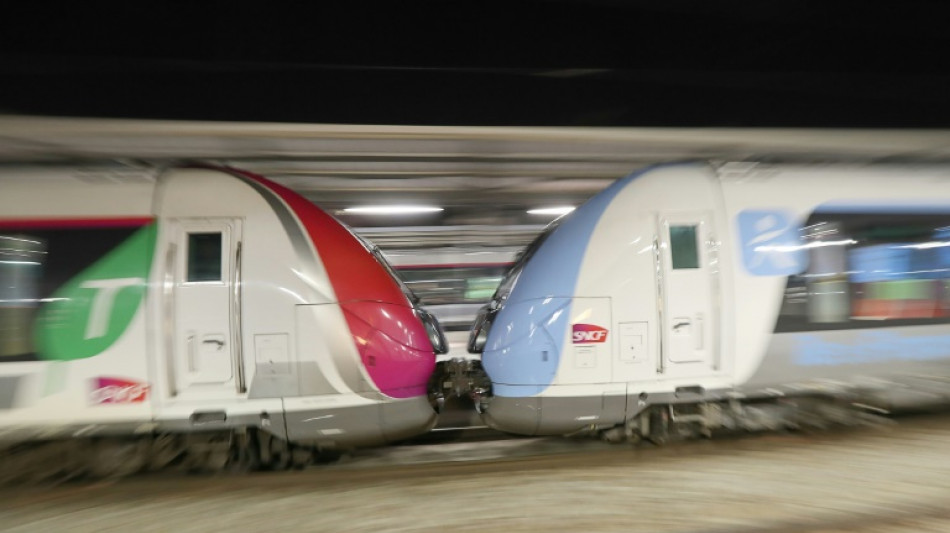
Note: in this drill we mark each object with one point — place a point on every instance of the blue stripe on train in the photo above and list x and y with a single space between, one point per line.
526 340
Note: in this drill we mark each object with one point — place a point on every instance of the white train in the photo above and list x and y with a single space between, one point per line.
201 314
689 297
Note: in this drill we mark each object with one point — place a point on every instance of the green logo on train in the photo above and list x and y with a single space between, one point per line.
91 311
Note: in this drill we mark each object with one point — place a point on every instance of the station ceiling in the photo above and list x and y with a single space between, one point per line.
485 178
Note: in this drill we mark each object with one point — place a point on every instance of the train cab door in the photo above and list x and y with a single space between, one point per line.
689 288
206 262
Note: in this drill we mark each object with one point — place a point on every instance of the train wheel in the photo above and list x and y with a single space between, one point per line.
274 452
245 453
615 435
659 426
207 452
166 449
219 454
301 457
117 458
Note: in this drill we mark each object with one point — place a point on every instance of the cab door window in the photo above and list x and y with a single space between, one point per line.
204 256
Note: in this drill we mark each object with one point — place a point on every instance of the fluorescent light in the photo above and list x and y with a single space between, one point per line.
392 209
562 210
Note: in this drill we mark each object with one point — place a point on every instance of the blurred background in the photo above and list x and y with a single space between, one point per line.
476 121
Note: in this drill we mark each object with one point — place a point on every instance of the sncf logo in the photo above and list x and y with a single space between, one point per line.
117 390
588 333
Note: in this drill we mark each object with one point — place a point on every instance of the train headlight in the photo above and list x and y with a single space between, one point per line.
479 335
477 340
434 330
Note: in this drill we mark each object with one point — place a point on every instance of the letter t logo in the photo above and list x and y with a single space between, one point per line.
101 311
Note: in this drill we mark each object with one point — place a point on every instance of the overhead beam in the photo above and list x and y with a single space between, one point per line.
24 138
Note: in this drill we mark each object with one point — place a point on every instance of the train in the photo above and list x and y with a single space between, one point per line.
695 297
196 315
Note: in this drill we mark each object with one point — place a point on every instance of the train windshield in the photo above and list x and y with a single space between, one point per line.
392 273
511 277
373 249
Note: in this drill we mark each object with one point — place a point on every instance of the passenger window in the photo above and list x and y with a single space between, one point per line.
22 259
204 256
870 268
683 247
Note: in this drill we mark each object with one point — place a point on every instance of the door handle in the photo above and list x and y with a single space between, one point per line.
699 332
220 343
192 367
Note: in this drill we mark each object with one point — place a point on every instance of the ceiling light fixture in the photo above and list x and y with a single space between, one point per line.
392 209
562 210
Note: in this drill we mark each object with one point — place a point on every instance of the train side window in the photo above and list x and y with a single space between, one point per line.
870 269
204 256
683 248
22 262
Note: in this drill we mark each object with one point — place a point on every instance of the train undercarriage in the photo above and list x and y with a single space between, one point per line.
246 449
662 424
457 378
236 451
728 413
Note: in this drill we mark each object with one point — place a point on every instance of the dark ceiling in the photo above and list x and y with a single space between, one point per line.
761 63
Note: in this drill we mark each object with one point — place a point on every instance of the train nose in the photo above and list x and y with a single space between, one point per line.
395 346
516 415
408 417
561 415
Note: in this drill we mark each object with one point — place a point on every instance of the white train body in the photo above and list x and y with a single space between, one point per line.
689 283
194 299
